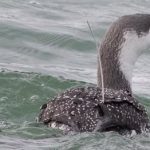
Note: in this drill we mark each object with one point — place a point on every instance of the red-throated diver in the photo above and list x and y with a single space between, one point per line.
81 109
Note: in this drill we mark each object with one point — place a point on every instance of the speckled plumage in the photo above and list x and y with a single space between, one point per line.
82 110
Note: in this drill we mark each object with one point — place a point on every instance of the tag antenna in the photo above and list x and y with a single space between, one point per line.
99 61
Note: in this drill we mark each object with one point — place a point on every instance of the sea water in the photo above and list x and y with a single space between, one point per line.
45 48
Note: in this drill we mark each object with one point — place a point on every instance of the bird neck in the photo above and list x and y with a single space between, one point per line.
119 52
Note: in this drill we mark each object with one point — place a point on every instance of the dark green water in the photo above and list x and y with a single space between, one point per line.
45 48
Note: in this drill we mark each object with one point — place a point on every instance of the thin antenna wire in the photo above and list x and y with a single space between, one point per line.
99 60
